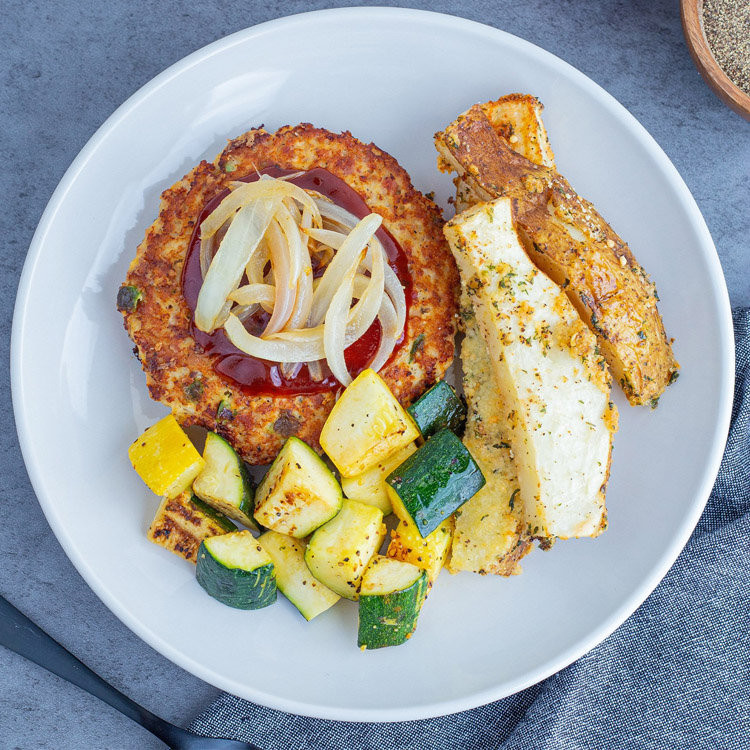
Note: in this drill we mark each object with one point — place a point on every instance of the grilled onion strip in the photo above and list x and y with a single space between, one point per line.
266 232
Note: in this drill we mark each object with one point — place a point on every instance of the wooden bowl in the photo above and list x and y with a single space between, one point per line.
712 74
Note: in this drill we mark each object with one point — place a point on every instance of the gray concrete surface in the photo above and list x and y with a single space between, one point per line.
65 67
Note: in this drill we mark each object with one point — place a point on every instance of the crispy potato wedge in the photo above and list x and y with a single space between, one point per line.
490 535
518 119
568 240
549 370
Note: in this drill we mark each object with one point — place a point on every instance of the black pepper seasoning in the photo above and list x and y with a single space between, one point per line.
726 24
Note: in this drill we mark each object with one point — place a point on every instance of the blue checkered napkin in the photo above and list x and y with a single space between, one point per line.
675 675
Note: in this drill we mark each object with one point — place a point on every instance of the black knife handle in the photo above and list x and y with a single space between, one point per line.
21 635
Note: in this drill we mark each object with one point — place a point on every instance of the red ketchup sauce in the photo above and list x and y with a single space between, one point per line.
258 376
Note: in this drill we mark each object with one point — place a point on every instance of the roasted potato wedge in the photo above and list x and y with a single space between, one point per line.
491 532
568 240
553 379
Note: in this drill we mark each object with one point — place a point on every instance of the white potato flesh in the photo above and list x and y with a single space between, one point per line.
547 365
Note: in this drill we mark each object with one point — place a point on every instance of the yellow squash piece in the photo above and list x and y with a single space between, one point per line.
430 553
366 425
165 459
369 487
183 522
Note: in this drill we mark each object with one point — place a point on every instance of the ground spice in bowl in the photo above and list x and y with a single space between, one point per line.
726 24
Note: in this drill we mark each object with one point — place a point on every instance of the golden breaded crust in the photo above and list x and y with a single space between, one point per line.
491 530
569 241
181 375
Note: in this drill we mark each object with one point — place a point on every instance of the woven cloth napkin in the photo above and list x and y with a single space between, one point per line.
674 675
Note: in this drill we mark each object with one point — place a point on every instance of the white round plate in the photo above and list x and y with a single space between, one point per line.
393 77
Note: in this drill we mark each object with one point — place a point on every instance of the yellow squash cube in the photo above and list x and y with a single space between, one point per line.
183 522
430 553
369 487
165 459
366 425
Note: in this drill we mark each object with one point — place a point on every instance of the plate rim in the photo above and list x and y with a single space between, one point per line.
448 706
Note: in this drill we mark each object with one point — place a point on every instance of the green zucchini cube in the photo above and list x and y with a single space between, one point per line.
299 493
369 487
390 599
437 409
339 552
433 482
235 570
225 482
294 578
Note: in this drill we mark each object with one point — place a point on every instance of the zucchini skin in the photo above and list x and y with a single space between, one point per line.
247 507
437 409
241 589
218 518
390 619
433 482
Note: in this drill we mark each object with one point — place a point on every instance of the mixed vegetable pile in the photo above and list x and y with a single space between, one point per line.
319 537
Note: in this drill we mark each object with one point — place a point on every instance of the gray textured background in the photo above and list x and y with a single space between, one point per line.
66 66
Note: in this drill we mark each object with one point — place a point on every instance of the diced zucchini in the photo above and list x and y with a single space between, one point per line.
430 553
294 578
212 514
298 493
235 570
429 486
165 458
338 553
390 598
438 409
369 486
366 425
183 522
225 483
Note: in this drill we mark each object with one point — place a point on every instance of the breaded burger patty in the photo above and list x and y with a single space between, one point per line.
180 374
